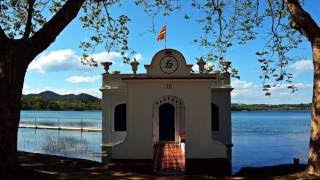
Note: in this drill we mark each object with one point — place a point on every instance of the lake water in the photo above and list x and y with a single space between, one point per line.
268 138
84 145
259 138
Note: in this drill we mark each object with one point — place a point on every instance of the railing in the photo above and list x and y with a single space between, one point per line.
66 123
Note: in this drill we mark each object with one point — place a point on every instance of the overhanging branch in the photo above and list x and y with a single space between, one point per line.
27 30
48 33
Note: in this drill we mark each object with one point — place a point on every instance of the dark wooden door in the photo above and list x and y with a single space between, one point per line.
166 122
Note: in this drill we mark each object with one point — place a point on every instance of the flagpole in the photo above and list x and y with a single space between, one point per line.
165 41
165 38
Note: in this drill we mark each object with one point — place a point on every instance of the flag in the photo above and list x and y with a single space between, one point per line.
162 33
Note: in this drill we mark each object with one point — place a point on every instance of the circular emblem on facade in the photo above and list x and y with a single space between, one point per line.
168 64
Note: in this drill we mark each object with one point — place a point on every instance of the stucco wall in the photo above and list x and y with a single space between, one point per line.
141 94
110 99
221 97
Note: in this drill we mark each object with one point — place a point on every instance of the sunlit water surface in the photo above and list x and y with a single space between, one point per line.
259 138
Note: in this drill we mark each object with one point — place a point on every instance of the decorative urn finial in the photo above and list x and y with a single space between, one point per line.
225 65
201 63
106 66
134 64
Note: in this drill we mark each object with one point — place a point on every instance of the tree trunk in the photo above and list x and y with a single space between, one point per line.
314 149
306 25
14 60
15 56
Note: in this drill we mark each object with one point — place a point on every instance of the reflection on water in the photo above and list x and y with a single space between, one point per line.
76 144
63 145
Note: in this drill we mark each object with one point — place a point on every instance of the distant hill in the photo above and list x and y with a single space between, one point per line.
49 100
52 96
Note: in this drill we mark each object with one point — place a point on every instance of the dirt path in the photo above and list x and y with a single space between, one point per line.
41 166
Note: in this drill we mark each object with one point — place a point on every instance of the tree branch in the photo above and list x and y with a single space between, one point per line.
27 30
48 33
302 21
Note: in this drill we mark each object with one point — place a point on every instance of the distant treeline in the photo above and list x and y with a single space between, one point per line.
49 100
59 105
269 107
52 101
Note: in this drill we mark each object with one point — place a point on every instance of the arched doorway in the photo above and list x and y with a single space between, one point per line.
173 110
168 116
166 122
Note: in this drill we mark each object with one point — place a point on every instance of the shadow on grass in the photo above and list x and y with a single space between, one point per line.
42 166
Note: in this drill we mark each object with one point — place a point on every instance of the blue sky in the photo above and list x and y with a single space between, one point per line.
58 68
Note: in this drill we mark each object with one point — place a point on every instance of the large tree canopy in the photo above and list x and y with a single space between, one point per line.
28 27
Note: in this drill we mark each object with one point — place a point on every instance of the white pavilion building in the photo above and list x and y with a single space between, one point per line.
171 118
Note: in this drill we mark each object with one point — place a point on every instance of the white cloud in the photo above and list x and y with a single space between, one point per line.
105 56
67 60
304 85
59 60
138 57
242 84
283 88
82 79
195 68
248 92
302 66
243 89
